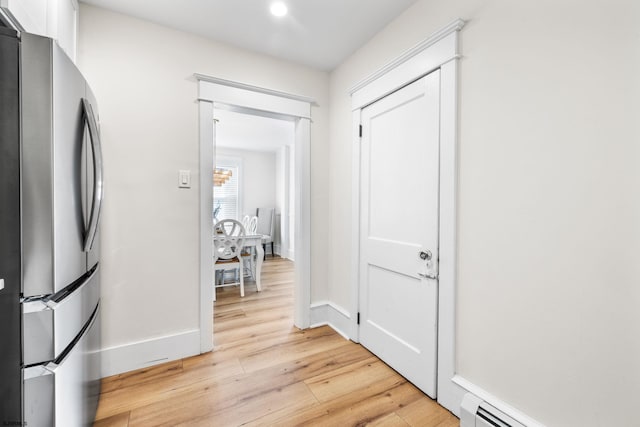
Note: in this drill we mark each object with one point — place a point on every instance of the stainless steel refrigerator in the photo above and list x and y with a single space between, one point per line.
50 199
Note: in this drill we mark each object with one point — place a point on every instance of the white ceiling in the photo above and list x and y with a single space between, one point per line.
251 132
316 33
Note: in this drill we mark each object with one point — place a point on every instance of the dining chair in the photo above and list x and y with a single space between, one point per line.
227 247
266 227
253 226
245 223
250 224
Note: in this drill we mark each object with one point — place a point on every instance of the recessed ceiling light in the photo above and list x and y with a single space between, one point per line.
278 9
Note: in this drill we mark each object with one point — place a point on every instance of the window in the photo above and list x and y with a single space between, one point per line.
226 200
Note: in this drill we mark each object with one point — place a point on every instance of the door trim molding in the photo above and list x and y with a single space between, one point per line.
257 89
409 53
234 95
439 51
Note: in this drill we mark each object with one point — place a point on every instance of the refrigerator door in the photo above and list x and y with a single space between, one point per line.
65 392
52 179
10 318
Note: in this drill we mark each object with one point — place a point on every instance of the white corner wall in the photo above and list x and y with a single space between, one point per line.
142 76
549 202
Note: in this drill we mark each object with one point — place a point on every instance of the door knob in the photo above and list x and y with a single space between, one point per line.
426 255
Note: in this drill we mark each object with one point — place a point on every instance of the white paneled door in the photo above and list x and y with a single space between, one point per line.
399 230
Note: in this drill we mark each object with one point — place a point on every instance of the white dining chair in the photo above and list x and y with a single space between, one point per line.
252 227
228 243
245 223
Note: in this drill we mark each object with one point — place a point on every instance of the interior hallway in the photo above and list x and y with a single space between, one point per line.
264 371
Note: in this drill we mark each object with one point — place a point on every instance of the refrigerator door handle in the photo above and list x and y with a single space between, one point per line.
96 204
38 371
52 302
52 366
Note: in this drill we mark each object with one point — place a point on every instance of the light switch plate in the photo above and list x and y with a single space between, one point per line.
184 179
1 284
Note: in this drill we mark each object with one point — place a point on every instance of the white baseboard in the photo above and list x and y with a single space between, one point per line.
496 403
450 395
326 313
284 253
289 254
142 354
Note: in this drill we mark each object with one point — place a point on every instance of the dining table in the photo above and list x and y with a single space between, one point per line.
252 241
255 241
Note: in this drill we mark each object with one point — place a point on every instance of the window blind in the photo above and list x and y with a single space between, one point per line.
226 197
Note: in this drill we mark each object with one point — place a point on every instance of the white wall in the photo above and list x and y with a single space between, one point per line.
258 178
141 74
280 194
549 199
285 200
291 174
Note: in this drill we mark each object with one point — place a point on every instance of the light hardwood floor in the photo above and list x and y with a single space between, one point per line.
265 372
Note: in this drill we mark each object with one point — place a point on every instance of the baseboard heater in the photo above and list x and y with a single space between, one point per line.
474 412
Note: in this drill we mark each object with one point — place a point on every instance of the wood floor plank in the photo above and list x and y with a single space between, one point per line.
391 420
264 383
221 409
262 326
276 340
166 388
118 420
141 376
288 351
426 412
265 372
350 378
368 405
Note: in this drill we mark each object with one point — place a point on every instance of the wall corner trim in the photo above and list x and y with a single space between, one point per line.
454 26
327 313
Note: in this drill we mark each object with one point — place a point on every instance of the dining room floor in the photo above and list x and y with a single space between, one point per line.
266 372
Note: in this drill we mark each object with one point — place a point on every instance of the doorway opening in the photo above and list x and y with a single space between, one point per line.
223 96
254 182
257 157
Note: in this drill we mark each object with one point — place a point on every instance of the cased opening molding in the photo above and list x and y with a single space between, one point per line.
220 93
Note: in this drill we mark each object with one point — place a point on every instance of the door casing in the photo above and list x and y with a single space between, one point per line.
439 51
267 103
